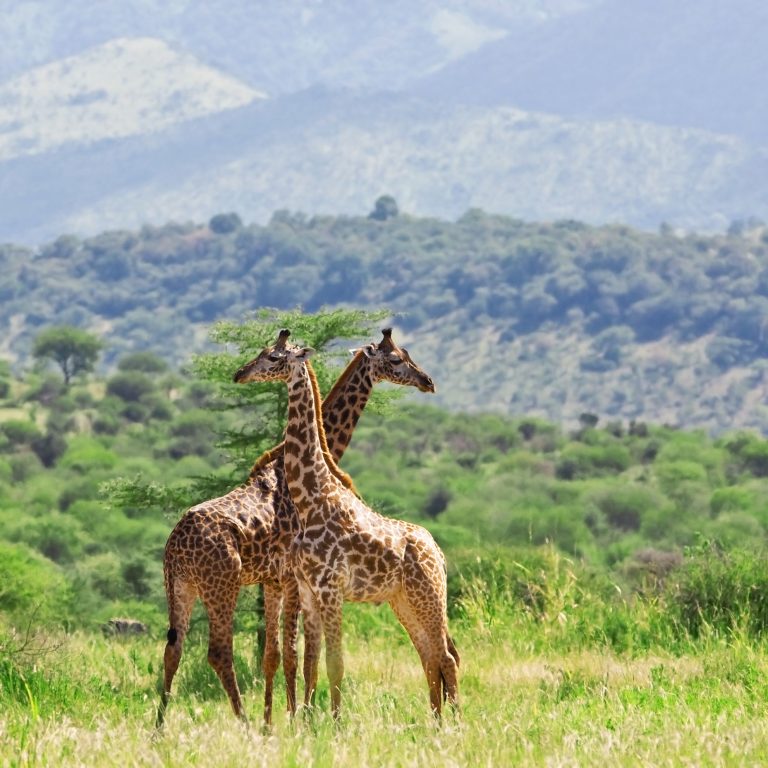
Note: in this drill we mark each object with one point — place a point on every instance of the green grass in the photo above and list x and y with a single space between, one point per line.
91 701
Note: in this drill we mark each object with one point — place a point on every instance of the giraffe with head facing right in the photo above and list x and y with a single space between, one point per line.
345 550
244 538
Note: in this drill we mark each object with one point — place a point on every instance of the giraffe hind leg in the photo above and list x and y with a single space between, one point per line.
435 649
449 665
220 606
271 661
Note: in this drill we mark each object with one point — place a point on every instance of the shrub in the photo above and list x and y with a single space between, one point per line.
20 431
721 592
581 460
85 453
625 506
144 361
130 386
31 585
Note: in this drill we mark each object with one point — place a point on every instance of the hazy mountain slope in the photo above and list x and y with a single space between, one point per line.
126 87
320 152
145 130
277 45
697 63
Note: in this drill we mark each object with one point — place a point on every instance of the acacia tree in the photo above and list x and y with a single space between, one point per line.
263 410
73 349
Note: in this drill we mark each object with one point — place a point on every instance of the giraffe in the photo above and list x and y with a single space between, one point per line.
243 538
345 550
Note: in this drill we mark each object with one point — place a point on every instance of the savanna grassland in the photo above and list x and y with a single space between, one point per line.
83 700
608 585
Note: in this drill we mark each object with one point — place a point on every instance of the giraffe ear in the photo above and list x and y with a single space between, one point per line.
369 350
305 353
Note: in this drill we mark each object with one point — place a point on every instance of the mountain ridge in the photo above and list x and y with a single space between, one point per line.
525 318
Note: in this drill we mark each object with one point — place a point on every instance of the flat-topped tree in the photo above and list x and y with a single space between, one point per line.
74 350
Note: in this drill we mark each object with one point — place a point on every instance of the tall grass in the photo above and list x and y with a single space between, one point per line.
95 700
559 667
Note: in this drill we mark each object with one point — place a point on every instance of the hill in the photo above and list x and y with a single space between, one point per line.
125 87
694 63
549 319
603 112
288 45
325 152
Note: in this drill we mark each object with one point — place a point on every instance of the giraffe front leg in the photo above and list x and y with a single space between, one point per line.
331 614
273 599
313 634
290 636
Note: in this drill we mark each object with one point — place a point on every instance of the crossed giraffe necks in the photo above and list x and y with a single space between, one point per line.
346 550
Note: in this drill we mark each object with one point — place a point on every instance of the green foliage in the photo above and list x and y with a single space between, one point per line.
20 432
558 296
31 585
144 361
75 351
86 454
722 592
130 385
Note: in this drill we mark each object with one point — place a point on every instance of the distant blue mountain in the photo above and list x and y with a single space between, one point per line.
691 63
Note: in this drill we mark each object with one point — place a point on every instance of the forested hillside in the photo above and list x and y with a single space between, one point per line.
513 317
94 475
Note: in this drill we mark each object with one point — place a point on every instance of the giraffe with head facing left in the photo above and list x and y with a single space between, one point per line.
244 538
345 550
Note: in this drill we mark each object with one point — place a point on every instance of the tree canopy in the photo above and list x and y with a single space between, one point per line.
74 350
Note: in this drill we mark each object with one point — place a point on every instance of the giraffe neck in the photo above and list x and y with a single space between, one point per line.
309 467
341 411
344 404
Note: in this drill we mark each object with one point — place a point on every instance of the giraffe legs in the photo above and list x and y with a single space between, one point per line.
331 612
273 600
313 634
221 610
181 598
290 636
436 650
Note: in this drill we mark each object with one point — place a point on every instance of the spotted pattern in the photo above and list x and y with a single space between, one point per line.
346 551
245 537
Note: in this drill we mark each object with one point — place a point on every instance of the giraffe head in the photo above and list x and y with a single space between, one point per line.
388 362
274 363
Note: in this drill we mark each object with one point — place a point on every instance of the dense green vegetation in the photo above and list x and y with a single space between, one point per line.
93 475
609 581
623 323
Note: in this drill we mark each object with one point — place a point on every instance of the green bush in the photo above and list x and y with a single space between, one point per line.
86 454
582 460
625 506
20 432
32 586
130 385
721 592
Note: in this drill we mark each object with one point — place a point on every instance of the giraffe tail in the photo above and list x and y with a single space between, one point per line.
452 649
170 596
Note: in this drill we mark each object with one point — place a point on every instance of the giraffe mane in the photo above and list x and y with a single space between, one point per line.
267 458
345 376
339 473
274 453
